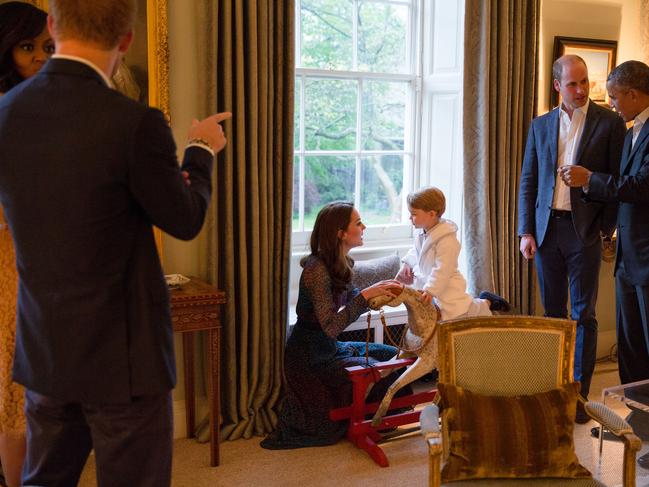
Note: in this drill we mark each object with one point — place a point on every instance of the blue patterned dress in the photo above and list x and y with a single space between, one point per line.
314 363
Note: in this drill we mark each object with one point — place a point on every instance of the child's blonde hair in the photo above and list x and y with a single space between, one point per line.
428 199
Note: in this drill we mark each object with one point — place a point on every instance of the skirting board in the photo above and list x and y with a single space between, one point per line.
605 341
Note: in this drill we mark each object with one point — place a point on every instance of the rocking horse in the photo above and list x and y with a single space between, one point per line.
420 340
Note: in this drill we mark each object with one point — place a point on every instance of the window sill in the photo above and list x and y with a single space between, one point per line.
393 316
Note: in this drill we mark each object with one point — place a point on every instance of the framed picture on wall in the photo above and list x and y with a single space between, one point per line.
600 57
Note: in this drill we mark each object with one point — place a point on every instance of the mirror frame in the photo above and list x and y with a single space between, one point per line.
157 38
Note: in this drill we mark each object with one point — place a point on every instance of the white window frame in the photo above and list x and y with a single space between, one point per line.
436 121
375 235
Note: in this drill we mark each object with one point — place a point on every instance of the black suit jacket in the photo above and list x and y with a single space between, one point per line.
631 190
84 173
599 150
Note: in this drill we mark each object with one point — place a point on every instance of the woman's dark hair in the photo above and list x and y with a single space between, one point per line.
18 21
326 244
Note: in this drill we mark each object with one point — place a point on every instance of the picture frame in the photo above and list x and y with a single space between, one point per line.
600 56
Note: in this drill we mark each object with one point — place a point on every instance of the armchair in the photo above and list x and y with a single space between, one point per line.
508 406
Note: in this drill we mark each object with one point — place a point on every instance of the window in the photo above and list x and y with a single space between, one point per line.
357 79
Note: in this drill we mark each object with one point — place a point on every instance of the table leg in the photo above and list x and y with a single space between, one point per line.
188 360
214 337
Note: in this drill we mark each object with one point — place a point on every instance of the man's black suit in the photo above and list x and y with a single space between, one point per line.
631 190
84 174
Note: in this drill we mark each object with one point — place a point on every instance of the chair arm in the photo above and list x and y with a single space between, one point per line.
434 442
607 418
619 427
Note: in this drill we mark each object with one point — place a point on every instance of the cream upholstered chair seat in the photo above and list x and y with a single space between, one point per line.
499 360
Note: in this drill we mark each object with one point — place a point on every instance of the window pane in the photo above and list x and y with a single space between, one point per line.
327 34
327 179
296 116
382 37
330 117
384 114
296 193
381 186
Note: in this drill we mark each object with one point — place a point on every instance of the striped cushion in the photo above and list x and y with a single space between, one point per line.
510 437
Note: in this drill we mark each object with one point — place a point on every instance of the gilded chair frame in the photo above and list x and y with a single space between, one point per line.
565 331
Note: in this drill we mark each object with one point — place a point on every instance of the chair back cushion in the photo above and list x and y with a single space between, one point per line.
510 436
368 272
506 355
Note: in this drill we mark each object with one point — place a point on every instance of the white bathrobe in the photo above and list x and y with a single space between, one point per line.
434 262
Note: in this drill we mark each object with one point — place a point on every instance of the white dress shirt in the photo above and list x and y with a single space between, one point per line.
638 122
570 130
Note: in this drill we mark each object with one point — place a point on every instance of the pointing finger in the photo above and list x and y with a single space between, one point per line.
220 117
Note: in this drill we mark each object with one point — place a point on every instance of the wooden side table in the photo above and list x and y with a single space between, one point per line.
196 307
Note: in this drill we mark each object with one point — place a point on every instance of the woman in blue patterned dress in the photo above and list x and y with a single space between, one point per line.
314 362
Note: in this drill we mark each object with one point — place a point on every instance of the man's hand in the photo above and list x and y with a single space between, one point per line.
405 275
210 130
528 246
185 176
574 176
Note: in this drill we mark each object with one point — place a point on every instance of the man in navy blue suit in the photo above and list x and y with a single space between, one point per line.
557 228
628 88
84 174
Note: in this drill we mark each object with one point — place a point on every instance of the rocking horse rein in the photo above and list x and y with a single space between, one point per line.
399 346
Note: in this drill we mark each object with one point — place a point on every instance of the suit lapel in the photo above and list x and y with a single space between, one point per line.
554 135
626 150
592 119
641 137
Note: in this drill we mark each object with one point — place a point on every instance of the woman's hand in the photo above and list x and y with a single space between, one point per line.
389 287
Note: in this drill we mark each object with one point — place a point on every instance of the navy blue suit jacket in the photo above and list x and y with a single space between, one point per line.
84 174
599 150
631 190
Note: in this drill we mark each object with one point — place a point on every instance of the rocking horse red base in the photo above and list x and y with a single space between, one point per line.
361 432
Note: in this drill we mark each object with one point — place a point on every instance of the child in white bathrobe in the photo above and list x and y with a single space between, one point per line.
432 264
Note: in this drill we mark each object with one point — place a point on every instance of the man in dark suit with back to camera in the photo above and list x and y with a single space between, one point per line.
559 230
84 174
628 88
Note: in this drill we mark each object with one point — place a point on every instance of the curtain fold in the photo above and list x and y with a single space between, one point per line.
500 72
248 69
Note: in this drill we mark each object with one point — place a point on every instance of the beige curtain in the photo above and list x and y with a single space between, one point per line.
249 70
500 60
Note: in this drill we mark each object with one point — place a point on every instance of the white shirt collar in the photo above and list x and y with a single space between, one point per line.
583 109
90 64
641 117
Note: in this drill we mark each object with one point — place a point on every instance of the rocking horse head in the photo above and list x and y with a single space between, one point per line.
419 312
378 302
405 295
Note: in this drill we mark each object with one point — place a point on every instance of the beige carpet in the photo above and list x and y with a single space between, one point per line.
245 463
